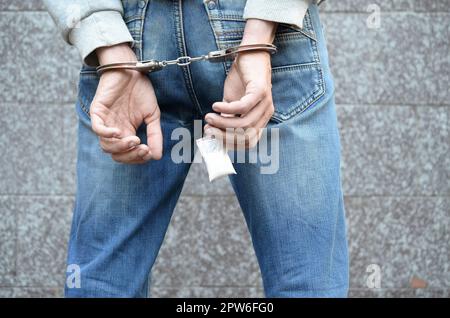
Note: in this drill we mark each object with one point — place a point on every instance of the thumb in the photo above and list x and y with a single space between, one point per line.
100 128
154 134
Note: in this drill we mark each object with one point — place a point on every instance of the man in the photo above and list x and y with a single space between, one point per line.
128 184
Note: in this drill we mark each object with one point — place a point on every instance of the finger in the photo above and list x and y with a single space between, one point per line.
206 129
218 134
117 145
213 132
253 135
242 106
136 162
248 120
240 138
154 135
231 139
140 153
261 123
100 129
264 120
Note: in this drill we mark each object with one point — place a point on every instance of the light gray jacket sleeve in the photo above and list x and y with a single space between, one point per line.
282 11
90 24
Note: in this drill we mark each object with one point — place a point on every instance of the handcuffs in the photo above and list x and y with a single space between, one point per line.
214 56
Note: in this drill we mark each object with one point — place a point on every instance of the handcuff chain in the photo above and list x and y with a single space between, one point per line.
214 56
184 60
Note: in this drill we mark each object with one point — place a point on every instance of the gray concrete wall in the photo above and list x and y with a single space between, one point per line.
394 112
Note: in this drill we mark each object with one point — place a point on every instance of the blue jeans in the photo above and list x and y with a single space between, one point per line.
295 216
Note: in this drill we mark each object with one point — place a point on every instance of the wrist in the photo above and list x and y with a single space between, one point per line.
259 31
115 54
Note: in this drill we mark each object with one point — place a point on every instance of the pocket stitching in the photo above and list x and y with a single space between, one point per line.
83 107
310 100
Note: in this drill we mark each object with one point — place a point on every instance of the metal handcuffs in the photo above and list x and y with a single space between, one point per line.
214 56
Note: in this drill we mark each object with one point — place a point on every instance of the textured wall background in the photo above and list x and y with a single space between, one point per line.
394 111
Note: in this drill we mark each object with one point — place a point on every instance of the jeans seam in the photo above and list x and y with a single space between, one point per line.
133 18
142 13
215 18
181 45
292 67
83 107
330 268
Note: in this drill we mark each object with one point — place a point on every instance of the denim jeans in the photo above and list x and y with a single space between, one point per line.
295 216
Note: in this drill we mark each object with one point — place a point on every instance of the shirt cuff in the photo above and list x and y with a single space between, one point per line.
105 28
282 11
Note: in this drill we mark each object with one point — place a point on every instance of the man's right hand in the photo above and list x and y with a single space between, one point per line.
123 101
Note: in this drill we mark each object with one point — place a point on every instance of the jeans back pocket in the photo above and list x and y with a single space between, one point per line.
297 76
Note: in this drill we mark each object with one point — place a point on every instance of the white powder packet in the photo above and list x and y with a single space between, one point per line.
216 158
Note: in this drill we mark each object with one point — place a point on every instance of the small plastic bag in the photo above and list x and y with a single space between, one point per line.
215 156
